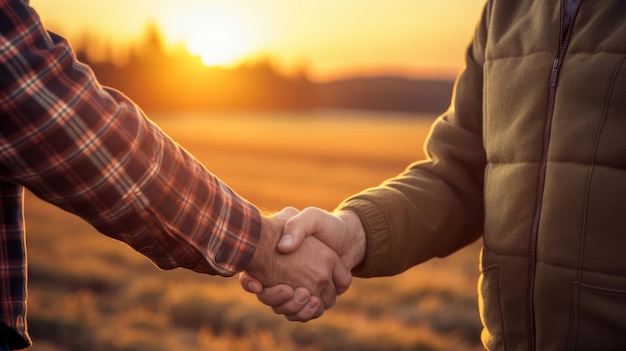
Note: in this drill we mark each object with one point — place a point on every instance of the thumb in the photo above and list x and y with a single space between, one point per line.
249 284
308 222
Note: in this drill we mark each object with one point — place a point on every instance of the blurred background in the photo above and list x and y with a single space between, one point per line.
295 103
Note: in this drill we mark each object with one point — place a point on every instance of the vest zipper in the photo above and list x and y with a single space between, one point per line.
564 35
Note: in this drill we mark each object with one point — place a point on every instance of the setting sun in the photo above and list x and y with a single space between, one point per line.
218 36
331 38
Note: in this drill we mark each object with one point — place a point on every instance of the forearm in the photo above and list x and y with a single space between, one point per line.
92 152
406 225
429 211
134 184
435 206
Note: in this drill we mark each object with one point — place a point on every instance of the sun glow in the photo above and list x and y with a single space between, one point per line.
218 36
331 38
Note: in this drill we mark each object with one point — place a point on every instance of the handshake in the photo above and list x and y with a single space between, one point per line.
303 260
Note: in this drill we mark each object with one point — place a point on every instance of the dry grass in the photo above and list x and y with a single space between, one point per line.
88 292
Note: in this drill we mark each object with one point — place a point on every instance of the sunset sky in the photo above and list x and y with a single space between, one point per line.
332 38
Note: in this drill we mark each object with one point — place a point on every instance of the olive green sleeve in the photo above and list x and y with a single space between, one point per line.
436 206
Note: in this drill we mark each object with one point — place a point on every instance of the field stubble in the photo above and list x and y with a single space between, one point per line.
88 292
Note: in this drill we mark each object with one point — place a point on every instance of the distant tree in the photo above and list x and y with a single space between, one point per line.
156 79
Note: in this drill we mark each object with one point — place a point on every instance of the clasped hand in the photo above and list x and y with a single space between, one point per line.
303 261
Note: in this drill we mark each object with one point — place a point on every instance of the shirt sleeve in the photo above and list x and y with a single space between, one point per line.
92 152
436 206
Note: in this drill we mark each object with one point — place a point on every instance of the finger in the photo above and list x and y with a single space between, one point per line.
342 278
276 295
297 228
319 312
293 306
286 212
313 309
250 284
329 296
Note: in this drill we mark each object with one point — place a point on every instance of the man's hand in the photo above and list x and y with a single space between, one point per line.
341 231
314 269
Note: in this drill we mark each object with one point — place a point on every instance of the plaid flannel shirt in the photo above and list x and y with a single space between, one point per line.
90 151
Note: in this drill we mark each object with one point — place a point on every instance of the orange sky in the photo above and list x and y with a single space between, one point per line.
332 38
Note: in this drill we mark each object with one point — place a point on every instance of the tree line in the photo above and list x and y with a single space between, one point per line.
158 80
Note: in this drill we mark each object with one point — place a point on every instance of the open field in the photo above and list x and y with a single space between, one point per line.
88 292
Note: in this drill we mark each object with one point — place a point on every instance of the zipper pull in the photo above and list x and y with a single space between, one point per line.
555 72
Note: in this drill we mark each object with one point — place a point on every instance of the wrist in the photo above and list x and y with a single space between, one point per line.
261 260
356 234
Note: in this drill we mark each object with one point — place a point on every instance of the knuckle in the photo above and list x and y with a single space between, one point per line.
322 277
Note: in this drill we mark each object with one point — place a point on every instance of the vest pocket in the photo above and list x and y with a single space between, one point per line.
492 335
598 318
